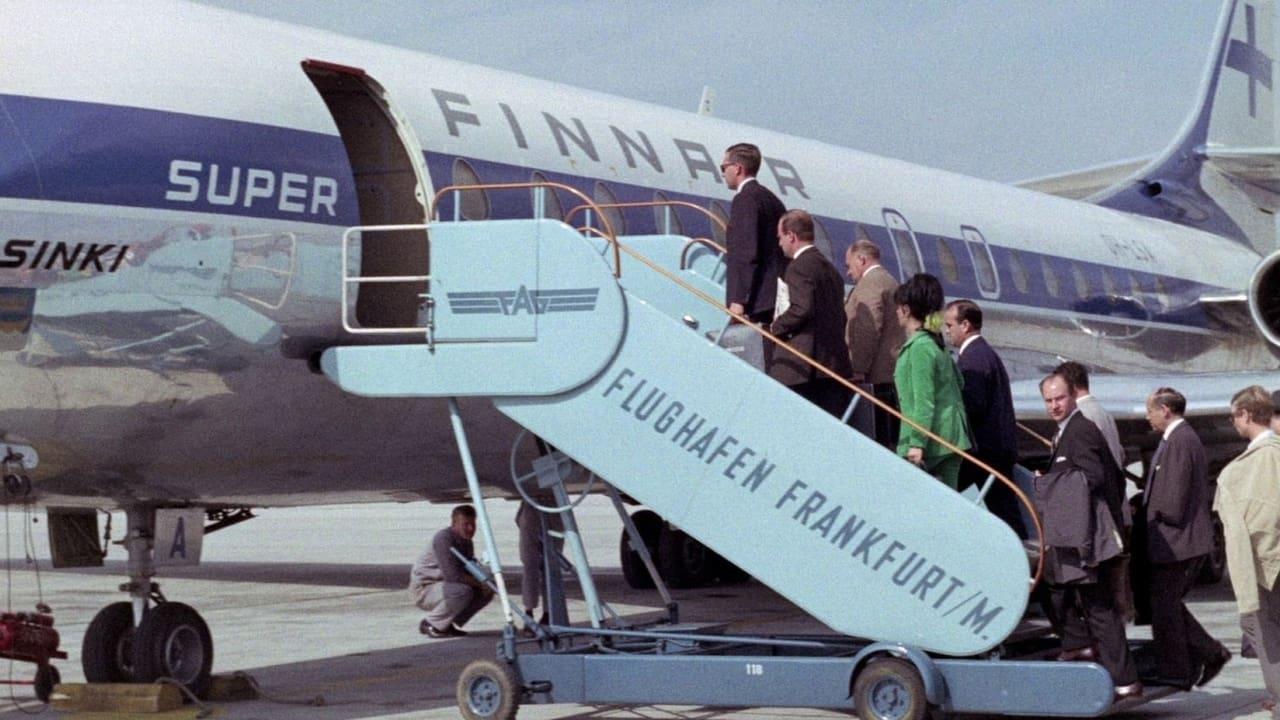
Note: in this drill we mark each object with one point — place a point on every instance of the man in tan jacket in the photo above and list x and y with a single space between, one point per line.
1248 502
872 332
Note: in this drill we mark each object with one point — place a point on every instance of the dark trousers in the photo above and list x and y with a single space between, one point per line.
1000 499
1180 645
887 424
1087 616
826 394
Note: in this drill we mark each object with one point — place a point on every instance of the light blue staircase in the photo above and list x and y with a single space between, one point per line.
610 371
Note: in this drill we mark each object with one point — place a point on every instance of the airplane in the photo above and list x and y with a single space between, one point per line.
172 252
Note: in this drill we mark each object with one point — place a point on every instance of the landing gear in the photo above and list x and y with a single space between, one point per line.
682 561
107 652
147 637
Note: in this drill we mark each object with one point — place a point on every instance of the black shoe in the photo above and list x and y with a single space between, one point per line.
455 631
1214 665
432 631
1180 683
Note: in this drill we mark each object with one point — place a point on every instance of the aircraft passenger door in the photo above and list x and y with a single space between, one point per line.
392 188
904 244
984 265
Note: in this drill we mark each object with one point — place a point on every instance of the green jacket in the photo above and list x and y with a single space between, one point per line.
929 386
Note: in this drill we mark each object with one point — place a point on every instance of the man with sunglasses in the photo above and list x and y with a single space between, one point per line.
753 257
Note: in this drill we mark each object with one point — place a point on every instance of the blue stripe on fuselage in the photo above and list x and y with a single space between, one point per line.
94 153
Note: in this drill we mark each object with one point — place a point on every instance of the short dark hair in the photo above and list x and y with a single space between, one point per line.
1255 401
799 222
746 155
921 294
1275 400
1075 373
1169 398
465 511
967 311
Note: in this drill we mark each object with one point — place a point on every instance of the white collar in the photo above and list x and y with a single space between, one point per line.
1172 425
967 341
1063 425
744 182
1262 437
801 251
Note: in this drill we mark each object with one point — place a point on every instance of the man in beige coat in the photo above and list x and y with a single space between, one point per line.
873 333
1248 502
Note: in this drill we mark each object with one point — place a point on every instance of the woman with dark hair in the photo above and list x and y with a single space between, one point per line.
928 382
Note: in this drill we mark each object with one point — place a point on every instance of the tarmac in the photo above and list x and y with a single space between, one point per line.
312 604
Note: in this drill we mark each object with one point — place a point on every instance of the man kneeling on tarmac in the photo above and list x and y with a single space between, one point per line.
440 582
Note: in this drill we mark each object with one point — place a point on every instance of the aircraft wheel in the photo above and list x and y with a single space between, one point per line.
488 690
174 642
683 561
107 652
1215 565
46 677
890 688
633 569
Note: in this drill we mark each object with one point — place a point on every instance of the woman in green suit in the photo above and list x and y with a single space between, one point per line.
928 383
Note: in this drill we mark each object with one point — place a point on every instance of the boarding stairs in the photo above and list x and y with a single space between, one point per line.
600 346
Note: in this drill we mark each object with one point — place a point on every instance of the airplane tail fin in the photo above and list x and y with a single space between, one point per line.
1222 172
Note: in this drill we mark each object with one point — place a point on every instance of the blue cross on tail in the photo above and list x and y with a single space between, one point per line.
1248 59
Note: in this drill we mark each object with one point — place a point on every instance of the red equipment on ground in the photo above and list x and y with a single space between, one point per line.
30 637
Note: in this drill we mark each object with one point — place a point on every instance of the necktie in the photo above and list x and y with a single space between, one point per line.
1155 462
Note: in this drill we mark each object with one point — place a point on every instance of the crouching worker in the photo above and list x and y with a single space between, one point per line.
440 582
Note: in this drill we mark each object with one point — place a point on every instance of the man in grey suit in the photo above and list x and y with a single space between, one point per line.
1178 536
872 332
811 322
1076 374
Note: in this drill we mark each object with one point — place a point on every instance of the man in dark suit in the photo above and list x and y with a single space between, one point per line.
988 403
1085 611
752 259
812 321
1178 536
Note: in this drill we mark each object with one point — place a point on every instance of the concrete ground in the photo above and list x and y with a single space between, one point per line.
312 604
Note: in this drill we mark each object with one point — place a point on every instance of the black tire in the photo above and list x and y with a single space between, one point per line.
107 652
890 688
174 642
1215 565
46 677
684 562
488 690
649 525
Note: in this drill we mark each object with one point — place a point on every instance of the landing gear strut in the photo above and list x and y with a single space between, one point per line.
147 637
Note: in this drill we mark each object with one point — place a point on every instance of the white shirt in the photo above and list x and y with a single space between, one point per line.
966 343
1172 425
743 183
1262 437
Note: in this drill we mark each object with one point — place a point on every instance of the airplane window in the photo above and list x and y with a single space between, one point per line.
983 264
550 200
822 240
904 243
950 269
717 232
604 196
475 203
1081 282
1019 271
1109 283
665 217
1051 282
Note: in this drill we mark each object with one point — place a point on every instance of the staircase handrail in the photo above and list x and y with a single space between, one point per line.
651 203
433 210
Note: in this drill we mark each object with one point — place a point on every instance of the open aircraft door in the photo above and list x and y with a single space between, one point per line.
392 188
